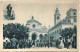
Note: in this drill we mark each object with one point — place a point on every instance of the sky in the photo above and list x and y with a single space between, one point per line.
44 13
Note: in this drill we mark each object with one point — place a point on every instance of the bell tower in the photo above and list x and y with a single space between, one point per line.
56 16
72 14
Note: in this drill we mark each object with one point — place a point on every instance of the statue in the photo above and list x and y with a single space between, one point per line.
9 9
9 13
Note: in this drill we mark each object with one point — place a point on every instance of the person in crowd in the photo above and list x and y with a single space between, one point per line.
6 42
4 45
24 43
48 44
65 44
6 38
51 43
38 43
45 43
60 43
20 43
74 42
41 43
68 42
57 43
14 42
29 44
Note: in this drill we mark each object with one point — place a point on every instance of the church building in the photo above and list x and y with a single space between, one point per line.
68 22
36 30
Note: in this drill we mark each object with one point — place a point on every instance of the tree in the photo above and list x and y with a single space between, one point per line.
72 34
67 32
14 29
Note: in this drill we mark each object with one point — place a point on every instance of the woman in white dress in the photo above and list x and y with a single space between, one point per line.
61 45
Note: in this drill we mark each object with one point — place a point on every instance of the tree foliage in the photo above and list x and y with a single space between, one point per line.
14 29
68 32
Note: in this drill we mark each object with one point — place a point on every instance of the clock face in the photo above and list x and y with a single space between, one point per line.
33 25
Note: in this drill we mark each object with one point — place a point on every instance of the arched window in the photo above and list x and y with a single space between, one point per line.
45 36
58 17
74 13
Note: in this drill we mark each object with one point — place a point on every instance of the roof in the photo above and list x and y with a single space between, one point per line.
70 10
33 20
64 21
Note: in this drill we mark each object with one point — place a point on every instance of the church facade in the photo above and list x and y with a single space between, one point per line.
68 22
36 30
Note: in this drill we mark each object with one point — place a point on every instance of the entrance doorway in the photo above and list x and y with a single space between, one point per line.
41 37
34 36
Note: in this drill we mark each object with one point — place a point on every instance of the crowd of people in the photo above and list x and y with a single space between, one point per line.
68 43
13 43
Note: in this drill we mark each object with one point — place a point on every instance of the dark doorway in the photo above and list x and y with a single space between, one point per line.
41 37
34 36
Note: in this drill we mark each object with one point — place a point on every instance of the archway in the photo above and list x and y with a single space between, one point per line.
45 36
34 36
41 37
